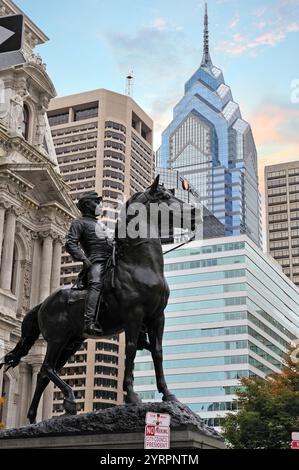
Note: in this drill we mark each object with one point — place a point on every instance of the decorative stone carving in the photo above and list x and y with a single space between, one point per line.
27 267
17 109
35 59
49 233
41 122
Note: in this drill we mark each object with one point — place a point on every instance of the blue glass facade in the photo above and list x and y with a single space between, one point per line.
232 313
213 147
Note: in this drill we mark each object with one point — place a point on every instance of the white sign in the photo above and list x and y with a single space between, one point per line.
295 436
157 419
5 34
157 437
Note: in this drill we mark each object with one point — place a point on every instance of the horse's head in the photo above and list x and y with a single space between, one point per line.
154 211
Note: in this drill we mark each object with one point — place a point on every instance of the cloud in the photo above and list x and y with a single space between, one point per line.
277 22
162 59
160 23
275 128
159 51
234 22
240 44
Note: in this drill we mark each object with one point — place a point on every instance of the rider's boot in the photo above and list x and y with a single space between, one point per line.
90 327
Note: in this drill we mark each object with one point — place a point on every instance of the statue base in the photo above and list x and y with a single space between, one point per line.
119 427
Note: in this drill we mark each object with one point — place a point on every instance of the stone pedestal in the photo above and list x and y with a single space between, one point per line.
120 427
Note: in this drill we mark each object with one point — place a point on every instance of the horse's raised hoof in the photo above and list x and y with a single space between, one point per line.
170 397
9 360
132 399
69 406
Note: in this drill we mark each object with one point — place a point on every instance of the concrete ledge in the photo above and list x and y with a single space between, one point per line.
180 439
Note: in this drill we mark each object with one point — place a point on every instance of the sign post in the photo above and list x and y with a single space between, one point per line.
295 440
157 431
11 40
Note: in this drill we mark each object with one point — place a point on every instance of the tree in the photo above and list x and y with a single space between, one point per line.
268 410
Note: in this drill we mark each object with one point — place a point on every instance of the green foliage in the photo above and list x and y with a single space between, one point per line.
269 411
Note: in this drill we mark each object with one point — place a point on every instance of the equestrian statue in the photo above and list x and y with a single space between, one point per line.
129 296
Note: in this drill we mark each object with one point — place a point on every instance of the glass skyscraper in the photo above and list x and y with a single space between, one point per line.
232 313
209 143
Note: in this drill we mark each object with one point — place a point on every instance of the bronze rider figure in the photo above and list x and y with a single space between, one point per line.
89 241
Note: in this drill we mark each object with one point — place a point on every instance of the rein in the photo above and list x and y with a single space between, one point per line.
182 244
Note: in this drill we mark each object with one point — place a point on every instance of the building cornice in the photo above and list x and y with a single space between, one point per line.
33 34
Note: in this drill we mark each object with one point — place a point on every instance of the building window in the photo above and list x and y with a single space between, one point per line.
25 123
86 113
56 119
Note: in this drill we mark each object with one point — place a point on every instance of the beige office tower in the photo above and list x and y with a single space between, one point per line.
282 212
103 142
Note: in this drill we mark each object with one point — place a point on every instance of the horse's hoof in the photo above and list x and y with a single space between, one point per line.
170 397
69 406
31 419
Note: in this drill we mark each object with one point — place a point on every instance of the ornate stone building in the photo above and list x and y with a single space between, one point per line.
35 212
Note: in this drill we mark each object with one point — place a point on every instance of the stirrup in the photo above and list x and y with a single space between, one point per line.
93 329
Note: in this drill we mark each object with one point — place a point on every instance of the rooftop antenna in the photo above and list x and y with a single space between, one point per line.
206 59
130 84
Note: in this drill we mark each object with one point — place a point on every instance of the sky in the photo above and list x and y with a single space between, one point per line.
96 43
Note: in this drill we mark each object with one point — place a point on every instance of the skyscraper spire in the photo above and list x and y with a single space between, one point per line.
206 59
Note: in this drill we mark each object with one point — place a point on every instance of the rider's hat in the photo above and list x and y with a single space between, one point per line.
87 196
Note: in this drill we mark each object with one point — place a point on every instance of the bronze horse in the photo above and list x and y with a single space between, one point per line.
133 302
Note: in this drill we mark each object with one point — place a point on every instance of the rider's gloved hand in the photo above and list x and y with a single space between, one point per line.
87 263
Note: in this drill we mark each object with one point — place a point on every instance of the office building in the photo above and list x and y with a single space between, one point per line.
213 147
282 216
232 313
208 226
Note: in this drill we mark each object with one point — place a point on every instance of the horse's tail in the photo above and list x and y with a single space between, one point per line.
30 333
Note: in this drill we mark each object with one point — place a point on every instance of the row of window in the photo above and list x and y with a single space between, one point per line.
113 174
115 136
104 370
115 125
74 130
201 347
214 406
207 249
140 145
196 377
102 382
202 304
204 263
205 290
192 392
200 277
101 346
112 195
194 362
105 394
206 318
107 358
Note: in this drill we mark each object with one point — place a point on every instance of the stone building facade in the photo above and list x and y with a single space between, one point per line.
35 213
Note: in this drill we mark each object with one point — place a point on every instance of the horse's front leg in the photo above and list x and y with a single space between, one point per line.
155 332
132 333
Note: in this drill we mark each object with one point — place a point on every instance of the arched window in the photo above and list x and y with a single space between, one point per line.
25 123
